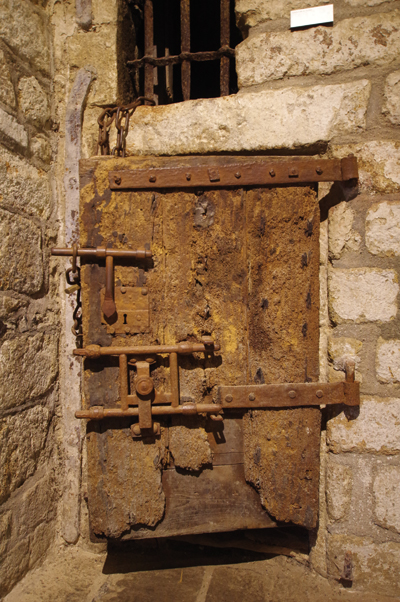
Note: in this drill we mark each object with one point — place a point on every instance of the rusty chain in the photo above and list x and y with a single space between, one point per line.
121 116
73 277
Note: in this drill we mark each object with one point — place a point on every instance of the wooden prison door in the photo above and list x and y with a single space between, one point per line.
222 297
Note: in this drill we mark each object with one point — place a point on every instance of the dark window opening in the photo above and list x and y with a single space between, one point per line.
184 49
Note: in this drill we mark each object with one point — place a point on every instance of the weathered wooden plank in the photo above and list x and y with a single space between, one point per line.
282 446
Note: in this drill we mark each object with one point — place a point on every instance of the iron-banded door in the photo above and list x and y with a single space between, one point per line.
239 265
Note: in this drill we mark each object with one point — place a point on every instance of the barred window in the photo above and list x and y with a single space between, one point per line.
184 49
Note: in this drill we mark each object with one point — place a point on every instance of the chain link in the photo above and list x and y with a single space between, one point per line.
73 277
121 116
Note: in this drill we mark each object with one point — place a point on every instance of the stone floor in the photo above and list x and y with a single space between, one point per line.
177 572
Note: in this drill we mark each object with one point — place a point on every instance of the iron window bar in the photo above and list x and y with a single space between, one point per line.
150 62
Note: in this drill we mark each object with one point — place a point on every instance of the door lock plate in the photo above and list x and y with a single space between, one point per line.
133 311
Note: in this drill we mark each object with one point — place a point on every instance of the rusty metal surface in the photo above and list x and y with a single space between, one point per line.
132 314
225 40
289 395
148 47
241 173
185 47
282 446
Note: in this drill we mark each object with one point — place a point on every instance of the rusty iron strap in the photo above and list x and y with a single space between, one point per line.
95 351
173 59
260 173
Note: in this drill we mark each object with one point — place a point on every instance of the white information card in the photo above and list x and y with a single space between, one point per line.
311 16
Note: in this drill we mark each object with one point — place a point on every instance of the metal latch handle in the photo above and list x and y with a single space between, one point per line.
108 307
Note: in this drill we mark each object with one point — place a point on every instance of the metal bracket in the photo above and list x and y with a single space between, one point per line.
235 174
148 400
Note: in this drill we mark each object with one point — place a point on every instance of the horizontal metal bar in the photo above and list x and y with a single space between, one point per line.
268 172
95 351
103 252
173 59
289 395
99 413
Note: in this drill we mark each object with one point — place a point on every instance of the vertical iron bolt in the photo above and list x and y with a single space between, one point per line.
252 397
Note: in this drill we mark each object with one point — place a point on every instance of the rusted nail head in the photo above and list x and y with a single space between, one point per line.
272 173
144 291
111 330
228 398
293 171
238 175
319 393
319 170
188 177
292 394
123 290
251 397
117 180
135 429
127 330
152 178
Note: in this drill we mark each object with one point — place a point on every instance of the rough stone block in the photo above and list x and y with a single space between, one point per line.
22 439
35 506
388 361
374 429
251 12
386 490
391 107
378 164
341 234
33 100
7 94
5 530
40 542
34 356
363 3
26 30
362 295
13 130
376 566
341 350
382 229
338 489
14 565
23 187
351 43
41 148
271 119
21 268
97 49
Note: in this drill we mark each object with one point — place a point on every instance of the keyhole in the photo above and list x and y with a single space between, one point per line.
125 316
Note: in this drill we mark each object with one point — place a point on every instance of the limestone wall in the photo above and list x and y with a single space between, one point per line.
29 310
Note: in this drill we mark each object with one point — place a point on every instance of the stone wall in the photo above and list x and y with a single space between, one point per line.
29 311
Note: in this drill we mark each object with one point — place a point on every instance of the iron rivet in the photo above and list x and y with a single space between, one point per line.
152 178
111 330
117 181
292 394
228 398
319 170
138 318
144 291
238 175
136 429
127 330
123 290
272 173
252 397
319 393
188 177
